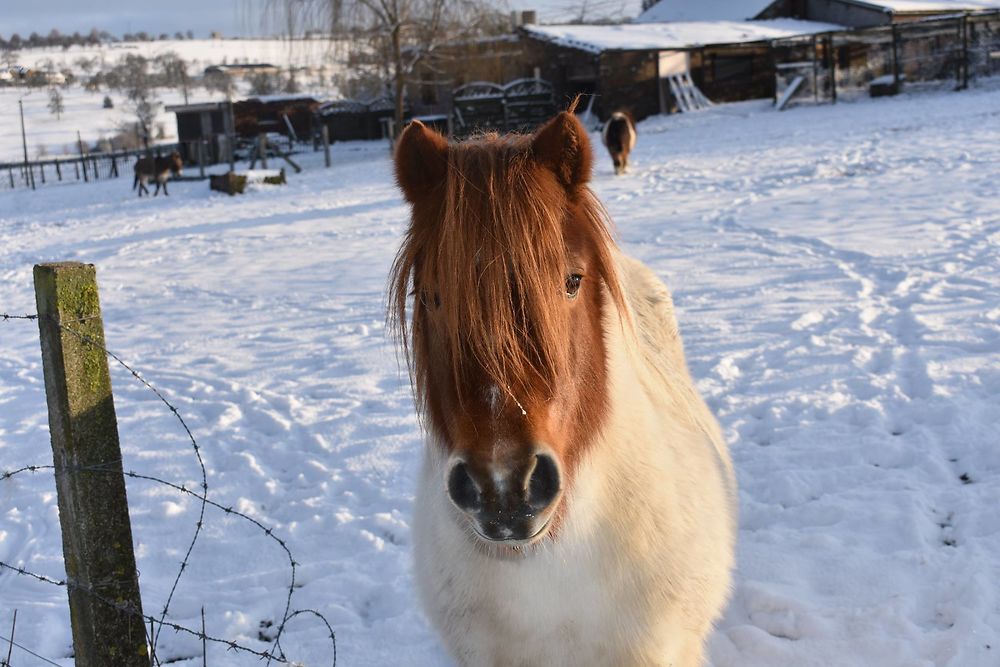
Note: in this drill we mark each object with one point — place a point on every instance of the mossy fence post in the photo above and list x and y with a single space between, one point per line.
93 508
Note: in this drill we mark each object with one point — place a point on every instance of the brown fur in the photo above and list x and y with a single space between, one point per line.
158 169
498 223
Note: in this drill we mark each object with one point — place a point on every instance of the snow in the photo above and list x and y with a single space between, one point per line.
48 135
53 136
837 276
699 10
933 5
200 53
598 38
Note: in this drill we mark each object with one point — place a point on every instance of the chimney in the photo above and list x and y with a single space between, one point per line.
527 17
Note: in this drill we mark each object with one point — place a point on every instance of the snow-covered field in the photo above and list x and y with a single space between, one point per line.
837 274
50 135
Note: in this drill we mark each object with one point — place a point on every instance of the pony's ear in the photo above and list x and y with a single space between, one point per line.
421 161
563 147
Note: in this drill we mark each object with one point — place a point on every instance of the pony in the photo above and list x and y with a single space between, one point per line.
619 138
158 168
575 504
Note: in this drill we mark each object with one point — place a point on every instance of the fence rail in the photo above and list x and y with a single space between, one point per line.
74 327
87 167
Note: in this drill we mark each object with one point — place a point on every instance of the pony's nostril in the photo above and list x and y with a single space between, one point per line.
544 484
463 490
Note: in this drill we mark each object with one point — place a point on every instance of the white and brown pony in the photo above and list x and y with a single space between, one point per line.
158 169
576 502
619 138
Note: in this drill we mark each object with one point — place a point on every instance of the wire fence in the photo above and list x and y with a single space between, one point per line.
156 625
954 50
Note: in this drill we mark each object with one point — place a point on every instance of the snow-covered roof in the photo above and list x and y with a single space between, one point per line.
641 36
929 5
700 10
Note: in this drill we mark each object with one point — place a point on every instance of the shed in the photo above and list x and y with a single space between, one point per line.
207 125
290 115
351 120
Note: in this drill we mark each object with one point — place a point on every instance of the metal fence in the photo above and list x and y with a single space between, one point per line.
953 50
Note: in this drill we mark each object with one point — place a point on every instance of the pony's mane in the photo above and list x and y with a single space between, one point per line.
490 259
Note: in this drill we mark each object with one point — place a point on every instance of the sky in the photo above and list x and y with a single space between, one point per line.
230 17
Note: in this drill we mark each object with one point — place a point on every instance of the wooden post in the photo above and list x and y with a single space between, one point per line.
325 132
10 172
201 158
262 150
58 171
832 60
815 60
895 58
76 167
964 26
83 159
93 508
31 175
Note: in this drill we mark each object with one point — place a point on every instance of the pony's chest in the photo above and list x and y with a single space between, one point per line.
555 604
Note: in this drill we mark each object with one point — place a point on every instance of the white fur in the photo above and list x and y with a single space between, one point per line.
639 569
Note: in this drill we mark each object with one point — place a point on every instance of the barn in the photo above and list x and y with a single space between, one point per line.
205 129
637 66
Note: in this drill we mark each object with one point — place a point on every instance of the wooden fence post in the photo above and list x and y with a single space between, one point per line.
262 149
325 132
93 508
895 58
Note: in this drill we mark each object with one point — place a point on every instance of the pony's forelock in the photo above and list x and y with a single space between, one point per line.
490 258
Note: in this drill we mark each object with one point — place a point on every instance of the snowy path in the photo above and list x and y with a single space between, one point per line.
837 272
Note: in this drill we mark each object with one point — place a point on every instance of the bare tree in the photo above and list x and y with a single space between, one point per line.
174 72
132 77
396 32
56 106
262 83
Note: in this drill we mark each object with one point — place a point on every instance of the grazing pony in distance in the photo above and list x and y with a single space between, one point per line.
158 168
576 499
619 138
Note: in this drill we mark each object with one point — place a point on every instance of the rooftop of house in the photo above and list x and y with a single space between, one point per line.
928 6
743 10
675 35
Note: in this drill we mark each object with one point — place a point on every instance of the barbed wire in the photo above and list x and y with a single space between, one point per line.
115 467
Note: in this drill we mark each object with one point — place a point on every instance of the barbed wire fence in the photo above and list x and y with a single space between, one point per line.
156 625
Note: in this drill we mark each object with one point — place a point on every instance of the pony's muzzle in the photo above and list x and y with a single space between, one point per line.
507 505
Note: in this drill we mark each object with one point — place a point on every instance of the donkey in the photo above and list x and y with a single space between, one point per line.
575 504
619 138
158 168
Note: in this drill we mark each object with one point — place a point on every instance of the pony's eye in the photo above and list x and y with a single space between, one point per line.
424 299
573 284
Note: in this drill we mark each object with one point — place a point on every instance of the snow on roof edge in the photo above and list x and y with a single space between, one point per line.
673 35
